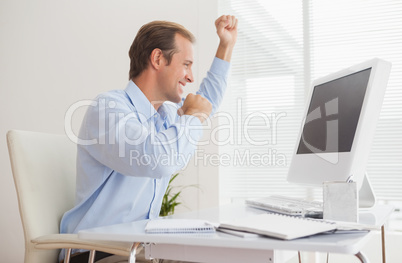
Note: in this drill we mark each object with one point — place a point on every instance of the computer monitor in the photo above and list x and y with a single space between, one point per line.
339 123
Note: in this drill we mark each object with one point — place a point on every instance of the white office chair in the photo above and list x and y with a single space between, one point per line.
43 167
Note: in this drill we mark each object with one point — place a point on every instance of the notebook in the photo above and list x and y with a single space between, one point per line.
164 226
272 225
280 226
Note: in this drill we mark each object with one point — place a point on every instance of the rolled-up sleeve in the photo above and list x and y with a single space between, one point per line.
213 86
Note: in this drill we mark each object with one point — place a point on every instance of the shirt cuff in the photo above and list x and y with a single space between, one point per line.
220 67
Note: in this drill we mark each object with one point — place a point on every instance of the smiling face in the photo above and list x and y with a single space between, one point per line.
178 73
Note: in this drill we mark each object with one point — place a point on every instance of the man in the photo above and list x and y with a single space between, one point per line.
133 140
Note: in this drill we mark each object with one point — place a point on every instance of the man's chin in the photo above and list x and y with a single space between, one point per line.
178 99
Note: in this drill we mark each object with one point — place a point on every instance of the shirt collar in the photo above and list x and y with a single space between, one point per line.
162 111
140 101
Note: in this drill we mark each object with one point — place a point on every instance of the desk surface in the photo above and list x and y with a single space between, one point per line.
348 243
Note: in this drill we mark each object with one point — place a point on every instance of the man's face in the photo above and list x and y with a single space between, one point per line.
174 77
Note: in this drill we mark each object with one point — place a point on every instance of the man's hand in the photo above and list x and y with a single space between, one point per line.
226 28
196 105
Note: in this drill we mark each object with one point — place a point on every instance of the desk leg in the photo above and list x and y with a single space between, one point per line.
133 251
383 243
362 257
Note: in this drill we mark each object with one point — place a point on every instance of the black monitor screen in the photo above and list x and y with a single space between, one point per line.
333 114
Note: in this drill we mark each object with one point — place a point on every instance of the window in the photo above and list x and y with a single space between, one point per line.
282 46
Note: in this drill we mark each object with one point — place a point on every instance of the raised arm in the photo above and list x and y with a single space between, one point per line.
226 28
214 85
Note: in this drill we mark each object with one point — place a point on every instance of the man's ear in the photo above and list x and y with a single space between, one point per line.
156 58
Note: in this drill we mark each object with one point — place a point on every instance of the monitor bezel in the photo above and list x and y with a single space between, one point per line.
314 169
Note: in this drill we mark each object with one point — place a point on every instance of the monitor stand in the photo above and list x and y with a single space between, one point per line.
366 194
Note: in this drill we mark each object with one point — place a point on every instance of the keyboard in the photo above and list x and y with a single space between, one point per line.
288 205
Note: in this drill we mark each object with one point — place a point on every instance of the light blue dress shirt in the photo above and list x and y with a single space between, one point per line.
127 152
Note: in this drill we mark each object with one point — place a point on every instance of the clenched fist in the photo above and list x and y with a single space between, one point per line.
196 105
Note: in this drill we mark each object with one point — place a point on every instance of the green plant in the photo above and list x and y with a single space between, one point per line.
170 199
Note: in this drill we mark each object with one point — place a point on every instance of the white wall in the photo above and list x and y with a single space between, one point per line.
54 53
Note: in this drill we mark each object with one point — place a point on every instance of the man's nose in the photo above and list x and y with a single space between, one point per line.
189 77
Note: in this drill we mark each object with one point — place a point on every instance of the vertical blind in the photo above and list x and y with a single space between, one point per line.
282 46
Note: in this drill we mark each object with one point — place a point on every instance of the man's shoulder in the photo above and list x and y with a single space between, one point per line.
113 97
112 94
110 101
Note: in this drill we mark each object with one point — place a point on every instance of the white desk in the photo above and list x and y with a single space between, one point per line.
221 247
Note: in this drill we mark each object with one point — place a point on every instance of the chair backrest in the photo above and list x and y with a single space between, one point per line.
44 171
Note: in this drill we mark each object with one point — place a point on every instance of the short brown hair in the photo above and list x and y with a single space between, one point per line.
156 34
